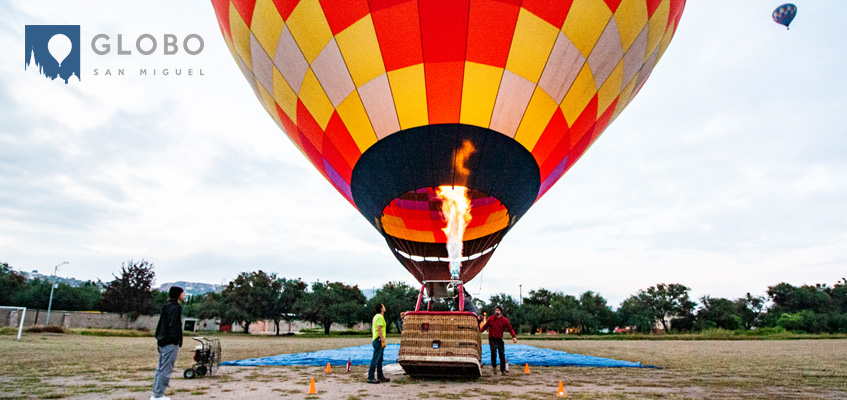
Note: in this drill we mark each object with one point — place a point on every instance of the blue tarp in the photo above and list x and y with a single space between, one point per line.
517 354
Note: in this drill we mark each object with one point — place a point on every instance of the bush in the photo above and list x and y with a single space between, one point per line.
717 333
114 332
804 321
354 333
47 329
768 331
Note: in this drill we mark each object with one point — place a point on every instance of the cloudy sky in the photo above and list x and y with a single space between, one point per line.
728 172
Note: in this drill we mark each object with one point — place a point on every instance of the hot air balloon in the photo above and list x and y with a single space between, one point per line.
784 14
391 99
417 111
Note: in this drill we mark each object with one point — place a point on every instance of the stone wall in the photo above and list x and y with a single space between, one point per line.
89 319
268 327
98 320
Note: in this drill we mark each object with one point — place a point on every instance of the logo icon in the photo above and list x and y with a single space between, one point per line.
53 51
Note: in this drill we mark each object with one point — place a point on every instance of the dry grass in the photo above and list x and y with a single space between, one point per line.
47 365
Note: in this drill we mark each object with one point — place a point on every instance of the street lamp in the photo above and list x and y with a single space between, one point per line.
52 286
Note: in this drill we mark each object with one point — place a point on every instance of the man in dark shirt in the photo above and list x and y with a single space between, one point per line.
496 325
169 340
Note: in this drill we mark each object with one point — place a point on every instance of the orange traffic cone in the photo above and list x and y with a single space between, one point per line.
562 390
526 368
328 369
312 387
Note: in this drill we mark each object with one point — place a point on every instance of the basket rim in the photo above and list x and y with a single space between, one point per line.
441 313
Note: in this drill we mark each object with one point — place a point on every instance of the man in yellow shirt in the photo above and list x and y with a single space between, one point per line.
378 328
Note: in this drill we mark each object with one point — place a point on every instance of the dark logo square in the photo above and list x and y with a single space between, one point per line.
53 51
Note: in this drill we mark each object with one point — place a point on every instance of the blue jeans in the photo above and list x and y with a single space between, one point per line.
496 346
376 361
167 359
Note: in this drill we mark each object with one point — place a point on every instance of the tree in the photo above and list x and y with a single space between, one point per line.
564 312
662 302
251 297
511 309
160 298
809 308
749 309
636 311
132 292
284 308
333 302
209 305
11 283
716 312
537 309
668 301
595 313
83 298
397 297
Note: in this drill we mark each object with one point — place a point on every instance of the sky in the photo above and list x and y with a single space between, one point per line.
727 173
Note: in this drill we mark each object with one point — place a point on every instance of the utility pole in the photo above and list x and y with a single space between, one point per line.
52 286
520 293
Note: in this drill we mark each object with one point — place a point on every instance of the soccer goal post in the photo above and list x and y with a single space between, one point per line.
21 317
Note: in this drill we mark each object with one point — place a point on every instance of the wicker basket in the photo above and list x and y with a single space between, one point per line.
440 344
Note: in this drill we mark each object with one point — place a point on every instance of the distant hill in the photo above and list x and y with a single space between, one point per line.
191 288
72 282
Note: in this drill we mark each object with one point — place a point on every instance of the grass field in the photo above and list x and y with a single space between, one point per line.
50 365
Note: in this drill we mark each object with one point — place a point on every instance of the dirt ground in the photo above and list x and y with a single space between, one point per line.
83 367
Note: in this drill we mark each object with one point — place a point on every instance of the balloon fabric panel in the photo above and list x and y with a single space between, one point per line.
490 30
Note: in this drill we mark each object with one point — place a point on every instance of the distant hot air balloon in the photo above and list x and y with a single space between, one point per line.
390 99
784 14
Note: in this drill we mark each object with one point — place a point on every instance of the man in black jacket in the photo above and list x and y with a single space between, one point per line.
169 340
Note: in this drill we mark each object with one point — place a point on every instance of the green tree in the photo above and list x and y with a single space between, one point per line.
160 298
594 313
716 312
669 301
636 311
397 297
564 312
809 308
83 298
511 309
333 302
749 308
537 309
509 304
663 303
11 284
284 308
250 297
132 292
209 305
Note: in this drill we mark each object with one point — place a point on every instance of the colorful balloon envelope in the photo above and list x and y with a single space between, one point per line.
784 14
390 99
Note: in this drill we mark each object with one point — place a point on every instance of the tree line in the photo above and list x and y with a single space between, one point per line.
258 295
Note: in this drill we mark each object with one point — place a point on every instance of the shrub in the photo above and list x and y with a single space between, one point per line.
48 329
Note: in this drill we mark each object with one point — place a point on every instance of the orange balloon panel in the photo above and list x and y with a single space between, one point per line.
417 216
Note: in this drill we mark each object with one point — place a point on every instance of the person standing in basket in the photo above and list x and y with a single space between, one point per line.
378 328
496 325
169 340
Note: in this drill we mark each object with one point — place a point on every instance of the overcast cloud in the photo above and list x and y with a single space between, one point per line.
727 173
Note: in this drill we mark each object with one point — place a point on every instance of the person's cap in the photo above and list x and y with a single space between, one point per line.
175 292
